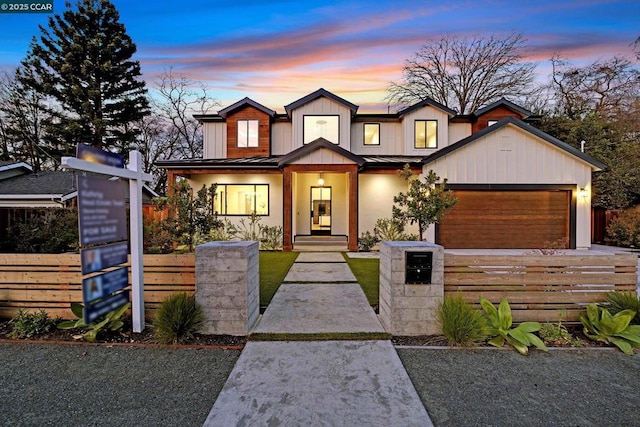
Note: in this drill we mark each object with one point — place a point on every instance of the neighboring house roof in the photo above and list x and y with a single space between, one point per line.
243 103
318 94
505 103
510 121
9 169
317 145
49 185
426 103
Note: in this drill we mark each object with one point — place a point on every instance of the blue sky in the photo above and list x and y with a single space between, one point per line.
276 52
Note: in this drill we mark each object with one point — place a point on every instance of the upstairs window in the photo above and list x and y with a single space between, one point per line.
426 134
327 127
491 122
247 133
372 134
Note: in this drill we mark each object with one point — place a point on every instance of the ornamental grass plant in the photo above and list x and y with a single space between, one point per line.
178 318
462 325
615 302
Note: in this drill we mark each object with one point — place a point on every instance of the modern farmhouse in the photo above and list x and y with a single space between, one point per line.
320 168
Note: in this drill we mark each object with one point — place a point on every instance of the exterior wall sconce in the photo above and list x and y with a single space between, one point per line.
321 180
583 192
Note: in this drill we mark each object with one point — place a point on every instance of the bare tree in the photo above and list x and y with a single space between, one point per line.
605 87
465 73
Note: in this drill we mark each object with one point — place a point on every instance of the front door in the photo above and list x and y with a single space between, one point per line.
320 211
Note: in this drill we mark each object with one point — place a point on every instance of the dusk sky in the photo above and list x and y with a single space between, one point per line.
278 51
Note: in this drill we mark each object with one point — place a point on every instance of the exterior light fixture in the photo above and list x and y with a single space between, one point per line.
321 180
583 192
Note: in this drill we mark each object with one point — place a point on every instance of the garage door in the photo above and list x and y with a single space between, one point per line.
505 219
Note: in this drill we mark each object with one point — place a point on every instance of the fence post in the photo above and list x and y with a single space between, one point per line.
227 286
409 296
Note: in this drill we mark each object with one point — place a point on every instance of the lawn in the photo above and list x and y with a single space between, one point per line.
274 266
367 272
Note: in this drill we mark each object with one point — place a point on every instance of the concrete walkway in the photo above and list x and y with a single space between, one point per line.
316 382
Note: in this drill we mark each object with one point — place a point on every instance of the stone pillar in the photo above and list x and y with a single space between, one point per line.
227 286
409 309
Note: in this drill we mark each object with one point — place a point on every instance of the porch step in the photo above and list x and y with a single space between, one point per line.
320 243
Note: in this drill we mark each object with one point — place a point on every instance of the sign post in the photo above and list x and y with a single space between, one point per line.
108 164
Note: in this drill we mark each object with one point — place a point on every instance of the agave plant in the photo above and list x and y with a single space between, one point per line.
600 325
499 325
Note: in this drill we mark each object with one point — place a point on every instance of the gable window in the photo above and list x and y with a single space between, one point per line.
372 134
327 127
242 199
426 134
491 122
247 133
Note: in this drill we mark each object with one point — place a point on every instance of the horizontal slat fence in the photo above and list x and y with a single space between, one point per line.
53 282
540 287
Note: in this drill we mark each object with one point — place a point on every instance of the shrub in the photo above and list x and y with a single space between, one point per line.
499 322
178 318
367 241
389 229
615 302
557 334
624 230
600 325
156 239
50 230
29 325
271 239
461 323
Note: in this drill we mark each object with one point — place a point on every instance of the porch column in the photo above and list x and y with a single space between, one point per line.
353 209
287 201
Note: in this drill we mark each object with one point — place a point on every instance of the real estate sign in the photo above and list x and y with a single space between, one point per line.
102 213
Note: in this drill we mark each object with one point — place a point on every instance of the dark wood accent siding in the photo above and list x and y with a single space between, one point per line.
497 113
506 219
264 133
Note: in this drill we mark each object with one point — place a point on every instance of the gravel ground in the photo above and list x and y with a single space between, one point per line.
502 388
64 385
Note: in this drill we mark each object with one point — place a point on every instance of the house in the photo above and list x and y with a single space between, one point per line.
23 191
321 168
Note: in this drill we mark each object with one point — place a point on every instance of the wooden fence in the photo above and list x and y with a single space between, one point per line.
540 287
53 282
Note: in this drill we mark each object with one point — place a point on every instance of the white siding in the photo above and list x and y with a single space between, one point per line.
322 106
322 156
408 130
215 140
390 139
458 131
281 142
275 192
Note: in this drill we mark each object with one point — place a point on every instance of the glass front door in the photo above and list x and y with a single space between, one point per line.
321 211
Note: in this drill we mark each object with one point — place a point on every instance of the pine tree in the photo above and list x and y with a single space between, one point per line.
82 63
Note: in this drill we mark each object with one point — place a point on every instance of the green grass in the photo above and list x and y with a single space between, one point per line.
274 266
367 272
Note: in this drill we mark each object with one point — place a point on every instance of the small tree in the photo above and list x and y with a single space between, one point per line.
425 202
189 216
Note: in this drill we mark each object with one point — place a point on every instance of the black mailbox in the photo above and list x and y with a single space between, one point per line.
418 268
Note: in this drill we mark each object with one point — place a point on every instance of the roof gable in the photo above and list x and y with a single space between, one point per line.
243 103
428 102
510 121
316 145
318 94
504 103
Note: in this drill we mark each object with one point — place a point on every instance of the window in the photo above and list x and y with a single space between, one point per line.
242 199
327 127
372 134
247 133
491 122
426 134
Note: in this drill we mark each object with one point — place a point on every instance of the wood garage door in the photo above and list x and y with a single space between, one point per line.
506 219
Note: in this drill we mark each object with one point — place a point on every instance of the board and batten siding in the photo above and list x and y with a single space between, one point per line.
408 130
458 131
322 107
281 142
390 139
322 156
215 140
513 156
